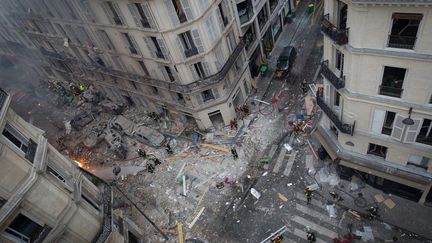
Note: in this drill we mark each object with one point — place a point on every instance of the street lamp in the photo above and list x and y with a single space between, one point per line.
116 171
408 121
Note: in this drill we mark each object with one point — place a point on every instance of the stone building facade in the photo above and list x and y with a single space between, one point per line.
377 96
181 58
45 197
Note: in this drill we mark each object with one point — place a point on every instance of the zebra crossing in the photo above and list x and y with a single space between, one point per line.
314 217
281 159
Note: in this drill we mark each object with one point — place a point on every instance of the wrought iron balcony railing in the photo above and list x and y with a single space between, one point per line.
106 229
390 91
343 127
191 52
403 42
340 36
337 82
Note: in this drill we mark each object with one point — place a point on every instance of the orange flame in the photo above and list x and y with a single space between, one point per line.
79 163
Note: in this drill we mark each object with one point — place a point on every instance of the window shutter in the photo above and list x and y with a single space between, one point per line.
378 121
149 45
172 13
221 23
137 48
215 93
199 99
398 128
180 46
226 9
119 13
149 16
203 4
206 68
162 47
31 150
108 13
197 40
134 13
164 73
220 59
210 27
194 72
327 93
187 8
411 133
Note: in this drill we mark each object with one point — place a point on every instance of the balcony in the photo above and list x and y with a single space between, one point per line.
117 20
337 82
191 52
106 229
340 36
390 91
343 127
51 54
403 42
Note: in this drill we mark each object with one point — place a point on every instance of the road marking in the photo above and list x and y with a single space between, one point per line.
290 163
314 202
270 155
315 214
279 160
309 161
302 234
321 230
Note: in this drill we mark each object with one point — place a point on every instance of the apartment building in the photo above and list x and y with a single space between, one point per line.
183 59
44 196
377 95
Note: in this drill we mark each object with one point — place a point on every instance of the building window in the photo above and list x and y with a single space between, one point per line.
155 90
170 74
207 95
89 201
392 82
418 162
131 43
430 100
336 98
143 67
113 13
15 137
180 98
200 70
339 61
222 14
245 11
188 44
56 174
179 10
273 4
404 30
262 17
23 229
133 85
388 123
139 15
425 134
105 40
159 52
377 150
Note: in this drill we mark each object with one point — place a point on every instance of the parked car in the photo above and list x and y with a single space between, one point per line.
286 60
149 136
123 125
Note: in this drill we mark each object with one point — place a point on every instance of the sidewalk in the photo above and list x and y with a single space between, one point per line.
407 215
286 38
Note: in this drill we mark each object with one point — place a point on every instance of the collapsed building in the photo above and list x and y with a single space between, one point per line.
45 197
183 59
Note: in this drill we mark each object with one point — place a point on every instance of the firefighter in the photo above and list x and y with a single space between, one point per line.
308 193
336 197
373 212
151 167
311 236
168 149
141 153
278 239
234 153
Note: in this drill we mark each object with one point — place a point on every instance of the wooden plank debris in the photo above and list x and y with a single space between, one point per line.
196 218
379 198
389 203
282 197
211 146
180 232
